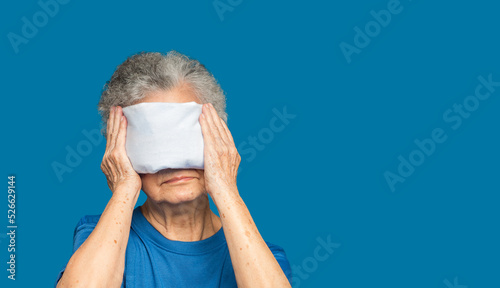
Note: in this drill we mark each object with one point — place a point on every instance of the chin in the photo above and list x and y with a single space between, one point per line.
176 194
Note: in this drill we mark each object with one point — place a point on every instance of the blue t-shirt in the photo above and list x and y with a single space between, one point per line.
151 260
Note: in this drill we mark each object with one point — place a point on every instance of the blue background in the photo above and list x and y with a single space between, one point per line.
323 175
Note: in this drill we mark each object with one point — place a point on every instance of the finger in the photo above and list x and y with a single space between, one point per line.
116 125
215 118
229 137
222 132
231 142
122 133
207 134
117 121
213 123
109 126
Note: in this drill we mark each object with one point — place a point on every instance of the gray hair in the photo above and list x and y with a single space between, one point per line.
150 71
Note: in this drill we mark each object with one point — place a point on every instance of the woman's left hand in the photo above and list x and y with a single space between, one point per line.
255 265
221 156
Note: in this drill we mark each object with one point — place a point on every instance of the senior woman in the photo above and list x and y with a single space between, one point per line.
173 239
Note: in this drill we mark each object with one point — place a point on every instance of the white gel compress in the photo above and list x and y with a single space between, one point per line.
164 135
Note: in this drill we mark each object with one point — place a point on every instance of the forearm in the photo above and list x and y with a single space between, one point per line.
100 260
253 263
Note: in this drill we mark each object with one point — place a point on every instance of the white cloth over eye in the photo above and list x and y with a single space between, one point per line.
163 135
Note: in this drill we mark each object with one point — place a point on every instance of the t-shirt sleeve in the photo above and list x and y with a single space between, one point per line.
82 231
280 255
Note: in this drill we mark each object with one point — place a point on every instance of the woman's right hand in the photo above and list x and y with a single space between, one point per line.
115 163
100 260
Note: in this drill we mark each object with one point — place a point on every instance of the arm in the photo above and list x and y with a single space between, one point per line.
253 263
100 260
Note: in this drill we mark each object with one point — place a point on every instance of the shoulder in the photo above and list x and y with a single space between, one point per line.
278 252
276 249
89 219
280 255
87 222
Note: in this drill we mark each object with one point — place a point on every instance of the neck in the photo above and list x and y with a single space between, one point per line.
187 221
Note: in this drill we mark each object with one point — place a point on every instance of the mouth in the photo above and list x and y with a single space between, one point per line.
179 179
